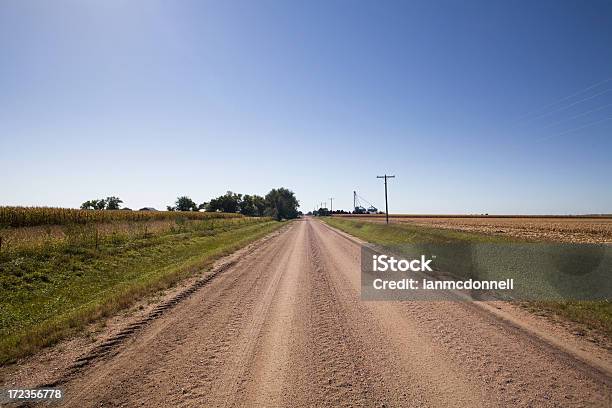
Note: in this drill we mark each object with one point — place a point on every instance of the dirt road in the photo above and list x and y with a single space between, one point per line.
284 326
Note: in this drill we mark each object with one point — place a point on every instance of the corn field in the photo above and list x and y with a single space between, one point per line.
17 217
43 238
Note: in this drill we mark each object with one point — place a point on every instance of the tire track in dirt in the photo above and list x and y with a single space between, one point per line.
335 369
271 364
226 389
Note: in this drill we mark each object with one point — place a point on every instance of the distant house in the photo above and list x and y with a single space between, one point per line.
147 209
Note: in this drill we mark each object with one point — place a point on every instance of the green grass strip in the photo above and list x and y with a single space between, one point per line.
48 296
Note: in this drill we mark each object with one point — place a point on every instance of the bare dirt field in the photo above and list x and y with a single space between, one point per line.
283 325
561 229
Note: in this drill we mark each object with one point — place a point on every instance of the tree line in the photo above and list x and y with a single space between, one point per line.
108 203
279 203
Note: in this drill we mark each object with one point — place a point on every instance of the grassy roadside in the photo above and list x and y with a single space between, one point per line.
394 234
48 294
595 315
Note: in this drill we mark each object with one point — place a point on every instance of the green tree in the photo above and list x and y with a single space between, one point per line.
281 204
185 203
228 203
113 203
260 205
96 204
252 205
247 206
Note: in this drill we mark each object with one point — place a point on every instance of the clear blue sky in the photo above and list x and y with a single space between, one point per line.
462 100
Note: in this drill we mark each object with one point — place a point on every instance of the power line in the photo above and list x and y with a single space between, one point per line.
577 128
577 116
571 104
564 99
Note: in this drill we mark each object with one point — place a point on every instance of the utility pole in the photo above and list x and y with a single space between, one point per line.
386 202
331 205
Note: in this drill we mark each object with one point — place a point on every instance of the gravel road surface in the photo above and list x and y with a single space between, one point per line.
285 326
